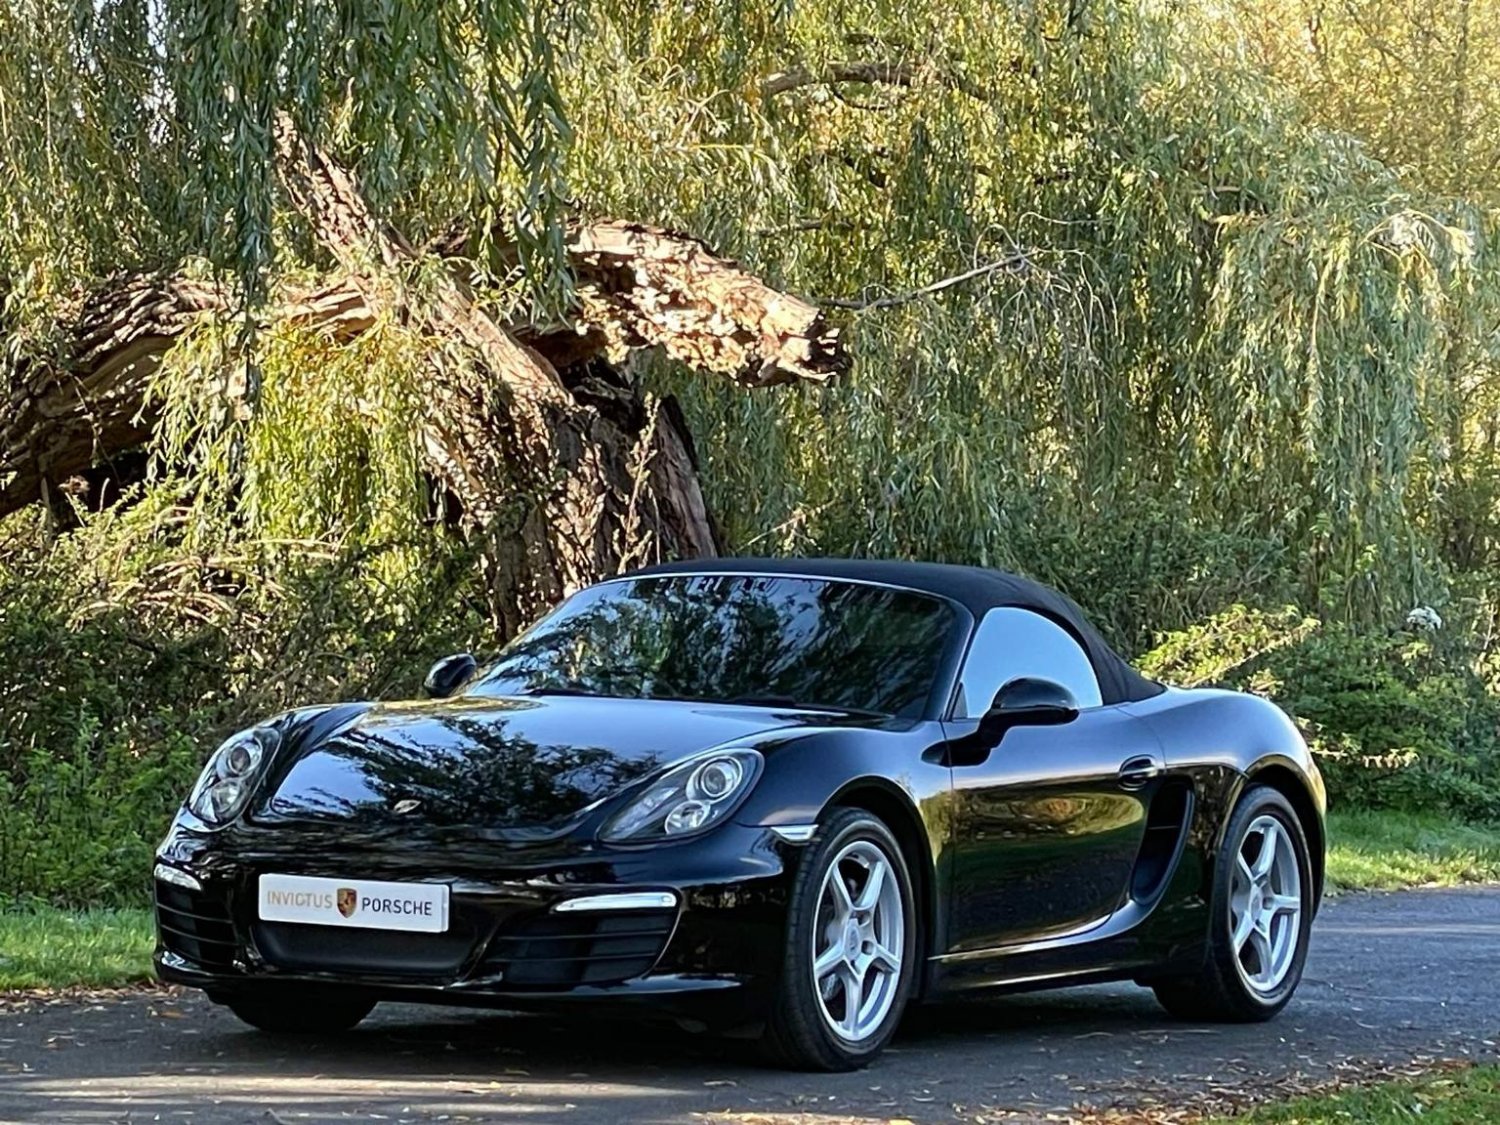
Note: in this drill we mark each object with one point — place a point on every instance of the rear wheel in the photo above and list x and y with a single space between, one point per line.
300 1013
1261 916
851 948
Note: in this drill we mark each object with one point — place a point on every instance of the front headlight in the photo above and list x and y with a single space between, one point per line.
226 781
689 798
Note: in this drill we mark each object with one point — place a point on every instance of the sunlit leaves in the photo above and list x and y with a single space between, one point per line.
1226 312
132 133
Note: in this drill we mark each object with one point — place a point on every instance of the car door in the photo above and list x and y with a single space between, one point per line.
1049 820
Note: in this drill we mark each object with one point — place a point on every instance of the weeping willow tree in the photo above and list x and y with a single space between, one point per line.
1198 346
137 134
1122 313
369 195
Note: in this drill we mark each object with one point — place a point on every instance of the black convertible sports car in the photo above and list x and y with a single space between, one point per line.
777 797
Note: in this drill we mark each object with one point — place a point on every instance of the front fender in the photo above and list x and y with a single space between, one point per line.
806 774
896 775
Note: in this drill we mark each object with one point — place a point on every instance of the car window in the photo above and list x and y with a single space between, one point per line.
738 638
1014 642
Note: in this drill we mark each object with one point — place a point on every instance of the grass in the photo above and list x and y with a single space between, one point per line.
1387 850
1451 1098
51 948
48 948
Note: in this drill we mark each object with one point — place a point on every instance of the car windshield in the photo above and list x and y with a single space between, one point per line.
736 638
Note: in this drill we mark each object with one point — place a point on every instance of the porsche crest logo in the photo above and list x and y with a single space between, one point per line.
348 901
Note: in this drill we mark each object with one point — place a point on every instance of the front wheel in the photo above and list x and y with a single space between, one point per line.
1261 917
851 948
307 1013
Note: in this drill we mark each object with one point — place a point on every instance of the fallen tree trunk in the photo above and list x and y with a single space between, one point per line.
539 438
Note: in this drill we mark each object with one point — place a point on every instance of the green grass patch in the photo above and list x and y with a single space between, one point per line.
47 948
1457 1097
1386 850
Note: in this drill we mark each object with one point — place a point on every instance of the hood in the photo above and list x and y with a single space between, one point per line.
509 764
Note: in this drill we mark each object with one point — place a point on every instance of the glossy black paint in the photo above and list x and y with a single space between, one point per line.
1046 833
449 675
1051 845
1030 701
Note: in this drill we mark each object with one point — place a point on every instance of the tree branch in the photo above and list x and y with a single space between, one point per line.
870 73
1018 262
638 287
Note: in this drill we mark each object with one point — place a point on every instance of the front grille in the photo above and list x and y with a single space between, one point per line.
561 950
195 925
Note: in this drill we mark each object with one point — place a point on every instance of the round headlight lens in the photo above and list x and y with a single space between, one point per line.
717 779
223 798
241 757
689 816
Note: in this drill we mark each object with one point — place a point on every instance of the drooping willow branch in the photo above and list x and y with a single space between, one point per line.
566 487
638 287
1018 262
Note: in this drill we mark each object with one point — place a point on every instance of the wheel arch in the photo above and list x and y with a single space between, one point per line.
895 809
1292 785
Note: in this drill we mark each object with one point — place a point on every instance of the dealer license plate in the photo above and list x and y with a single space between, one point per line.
361 903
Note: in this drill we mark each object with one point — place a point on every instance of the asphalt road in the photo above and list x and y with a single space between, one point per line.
1391 978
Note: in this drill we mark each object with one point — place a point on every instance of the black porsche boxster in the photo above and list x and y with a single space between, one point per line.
783 798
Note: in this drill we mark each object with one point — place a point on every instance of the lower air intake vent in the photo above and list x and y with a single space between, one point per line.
561 950
195 926
360 952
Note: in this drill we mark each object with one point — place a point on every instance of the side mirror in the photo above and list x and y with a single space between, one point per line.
1029 701
449 674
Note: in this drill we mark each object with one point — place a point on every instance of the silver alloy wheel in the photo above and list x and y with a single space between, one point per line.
1265 904
858 937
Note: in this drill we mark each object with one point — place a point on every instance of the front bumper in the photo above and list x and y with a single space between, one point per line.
712 955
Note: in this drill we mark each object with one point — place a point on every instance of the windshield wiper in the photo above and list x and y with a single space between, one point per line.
557 689
797 705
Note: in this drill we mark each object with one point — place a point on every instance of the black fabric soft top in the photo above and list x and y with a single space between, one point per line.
976 588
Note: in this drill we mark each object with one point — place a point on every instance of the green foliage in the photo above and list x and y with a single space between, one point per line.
89 762
1211 307
1205 303
45 948
1221 353
1399 718
330 451
1416 82
1382 849
125 656
133 134
1453 1095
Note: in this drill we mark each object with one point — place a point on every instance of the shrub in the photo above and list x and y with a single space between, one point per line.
126 655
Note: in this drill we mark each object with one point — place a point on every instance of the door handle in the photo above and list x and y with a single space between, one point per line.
1136 772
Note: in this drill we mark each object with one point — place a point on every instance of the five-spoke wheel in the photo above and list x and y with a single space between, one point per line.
850 947
858 938
1261 912
1265 904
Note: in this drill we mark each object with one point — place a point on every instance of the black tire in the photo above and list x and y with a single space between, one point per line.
313 1012
1218 992
796 1034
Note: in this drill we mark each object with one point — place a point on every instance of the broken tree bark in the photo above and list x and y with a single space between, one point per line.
543 442
57 422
